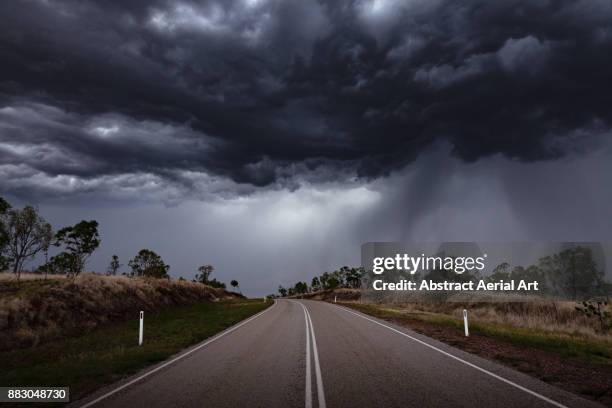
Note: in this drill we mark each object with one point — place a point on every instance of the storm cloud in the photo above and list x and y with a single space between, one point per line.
272 137
231 97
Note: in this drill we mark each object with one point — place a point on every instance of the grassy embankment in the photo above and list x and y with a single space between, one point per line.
110 352
576 345
35 310
552 325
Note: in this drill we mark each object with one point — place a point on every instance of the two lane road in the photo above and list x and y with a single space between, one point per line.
300 353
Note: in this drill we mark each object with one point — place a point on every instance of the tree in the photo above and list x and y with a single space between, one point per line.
114 265
323 279
4 208
215 284
315 284
4 205
282 291
300 288
62 263
353 277
80 241
531 273
204 277
342 274
572 273
27 234
47 237
333 283
148 263
235 284
500 272
205 272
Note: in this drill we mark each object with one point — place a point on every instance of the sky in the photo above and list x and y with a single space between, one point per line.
272 138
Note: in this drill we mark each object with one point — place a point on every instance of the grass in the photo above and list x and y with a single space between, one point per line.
111 352
541 313
24 287
35 311
566 345
6 275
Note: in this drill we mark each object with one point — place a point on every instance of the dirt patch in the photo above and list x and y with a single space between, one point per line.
591 380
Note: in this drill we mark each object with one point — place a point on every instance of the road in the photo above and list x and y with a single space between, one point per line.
314 354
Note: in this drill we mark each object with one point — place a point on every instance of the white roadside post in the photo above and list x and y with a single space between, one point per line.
140 333
335 299
465 323
265 299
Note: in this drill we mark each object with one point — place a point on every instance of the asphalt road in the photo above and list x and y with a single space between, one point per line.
315 354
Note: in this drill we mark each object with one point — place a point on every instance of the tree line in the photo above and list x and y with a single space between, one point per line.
345 277
571 273
24 234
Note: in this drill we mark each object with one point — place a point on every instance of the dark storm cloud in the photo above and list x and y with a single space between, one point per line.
256 93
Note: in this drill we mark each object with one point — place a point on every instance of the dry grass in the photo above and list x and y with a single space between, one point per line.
557 317
343 294
549 316
35 310
9 276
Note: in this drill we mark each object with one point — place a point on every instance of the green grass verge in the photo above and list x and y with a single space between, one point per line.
591 350
109 353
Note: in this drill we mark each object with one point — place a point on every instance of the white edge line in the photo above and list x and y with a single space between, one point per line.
520 387
320 391
167 363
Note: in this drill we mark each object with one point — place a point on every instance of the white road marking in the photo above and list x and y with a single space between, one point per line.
308 398
310 332
520 387
320 391
167 363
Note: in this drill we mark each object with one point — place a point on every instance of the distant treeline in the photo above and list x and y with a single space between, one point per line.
345 277
571 274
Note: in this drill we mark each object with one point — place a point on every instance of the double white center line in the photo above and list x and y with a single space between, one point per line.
310 334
